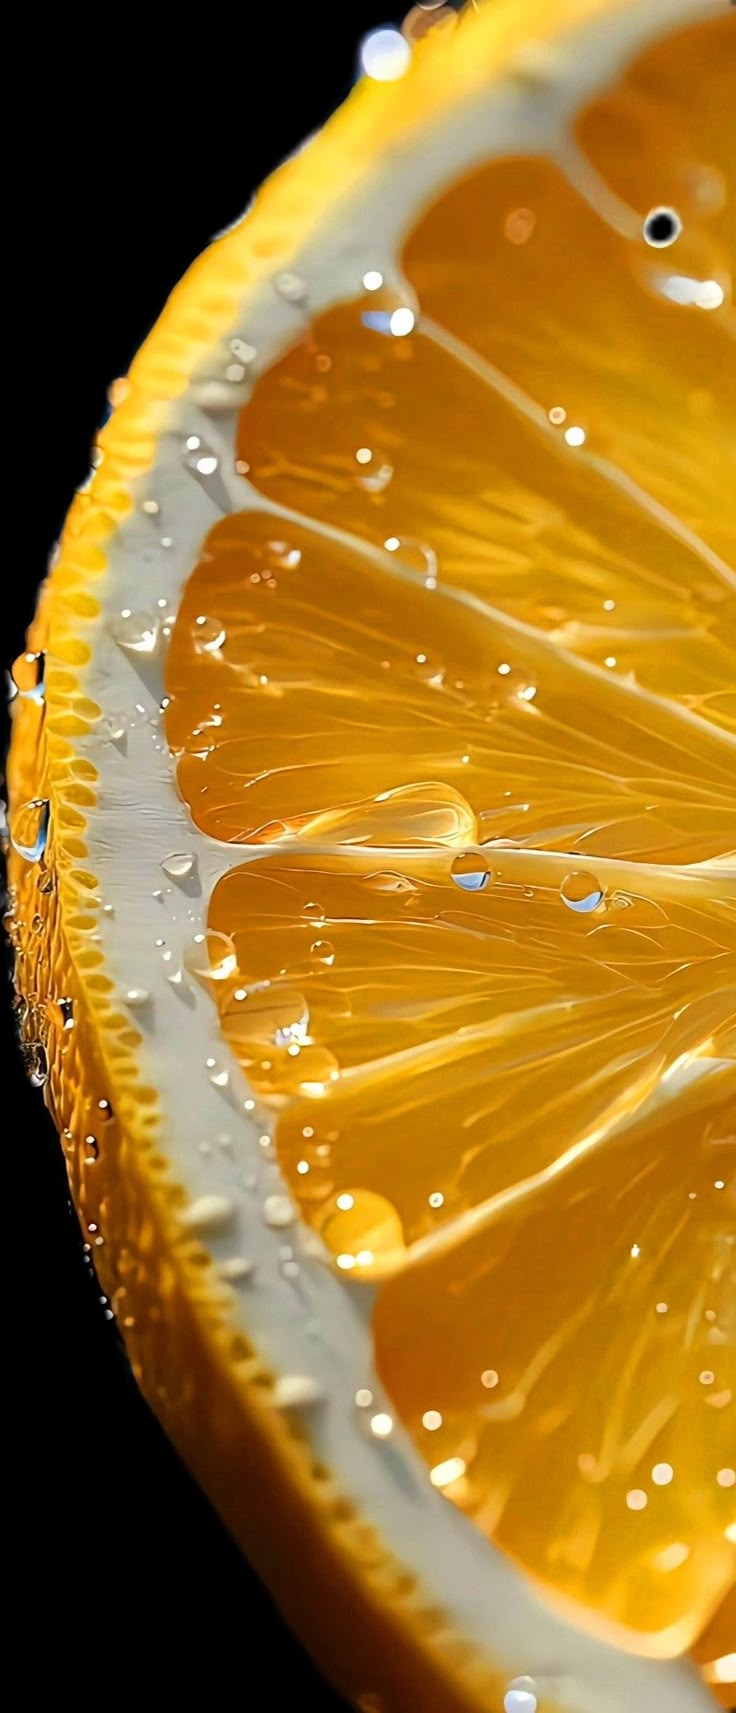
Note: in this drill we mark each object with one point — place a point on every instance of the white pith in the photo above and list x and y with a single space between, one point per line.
307 1324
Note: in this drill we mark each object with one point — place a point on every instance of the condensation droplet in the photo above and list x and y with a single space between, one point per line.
208 1213
296 1391
137 996
291 287
208 634
385 55
362 1229
374 478
30 828
27 673
35 1062
62 1011
313 912
323 952
415 556
112 727
471 871
521 1696
136 632
180 865
235 1268
581 892
279 1211
210 956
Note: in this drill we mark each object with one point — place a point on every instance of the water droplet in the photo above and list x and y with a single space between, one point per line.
136 632
521 1696
291 287
557 415
205 465
363 1229
30 828
372 280
581 892
401 322
27 673
382 1424
278 1211
661 227
296 1391
35 1062
575 436
208 1213
209 635
112 727
136 996
313 912
385 55
375 476
210 956
415 556
218 1073
443 1474
235 1269
471 871
62 1011
323 952
180 865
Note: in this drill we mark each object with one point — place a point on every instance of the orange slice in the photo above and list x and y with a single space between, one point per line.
373 860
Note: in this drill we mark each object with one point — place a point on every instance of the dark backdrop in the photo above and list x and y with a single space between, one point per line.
128 152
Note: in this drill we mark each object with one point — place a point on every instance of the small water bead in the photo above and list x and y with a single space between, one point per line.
291 287
209 1213
471 871
279 1212
206 464
323 952
415 556
661 227
363 1230
210 956
113 727
376 472
521 1696
136 632
575 436
372 280
385 55
208 634
28 674
557 415
62 1013
450 1470
30 829
382 1424
35 1062
180 865
581 892
313 912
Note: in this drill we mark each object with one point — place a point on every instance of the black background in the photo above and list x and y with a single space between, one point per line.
129 152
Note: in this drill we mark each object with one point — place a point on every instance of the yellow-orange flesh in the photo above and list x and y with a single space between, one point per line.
490 719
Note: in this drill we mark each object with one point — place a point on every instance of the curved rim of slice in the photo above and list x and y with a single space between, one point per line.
512 77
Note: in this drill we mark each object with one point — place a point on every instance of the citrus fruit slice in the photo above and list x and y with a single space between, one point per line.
372 851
